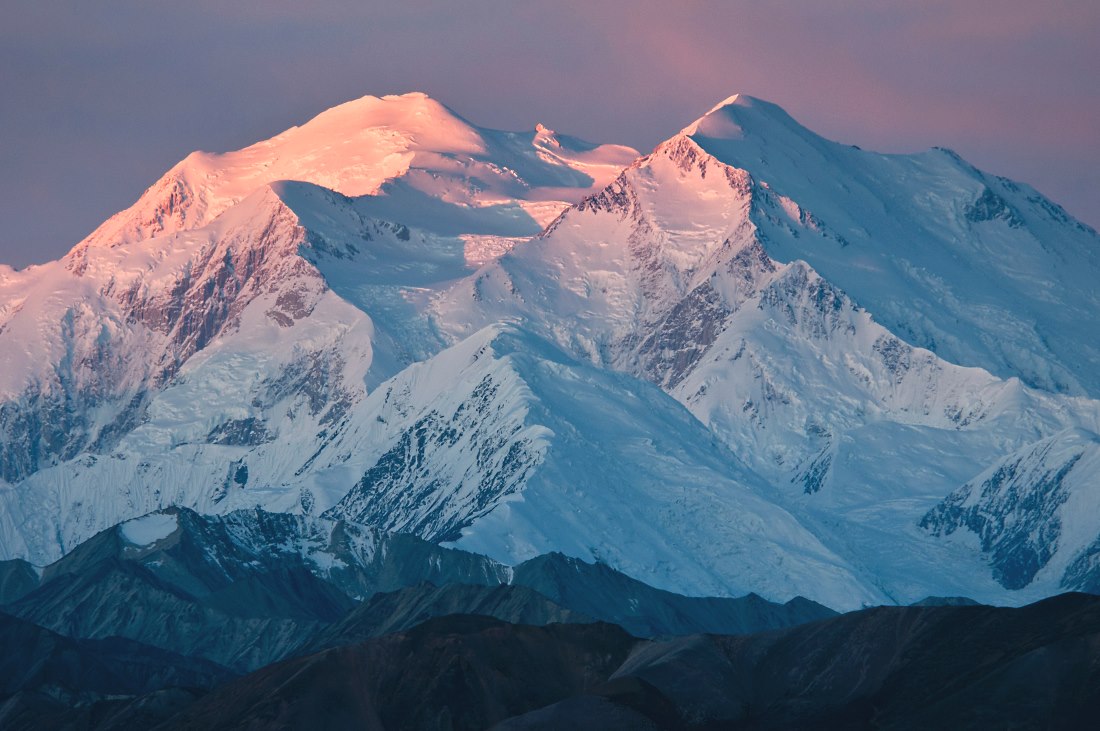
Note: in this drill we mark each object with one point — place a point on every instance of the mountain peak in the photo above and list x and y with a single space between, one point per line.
743 100
412 115
413 101
729 118
410 96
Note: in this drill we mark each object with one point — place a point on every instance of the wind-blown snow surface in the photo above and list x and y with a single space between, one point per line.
710 376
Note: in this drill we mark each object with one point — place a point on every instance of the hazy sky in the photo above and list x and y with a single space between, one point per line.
97 99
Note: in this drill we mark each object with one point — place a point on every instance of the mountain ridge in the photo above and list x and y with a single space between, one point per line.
814 315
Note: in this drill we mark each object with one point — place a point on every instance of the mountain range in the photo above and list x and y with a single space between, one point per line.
753 360
249 588
885 667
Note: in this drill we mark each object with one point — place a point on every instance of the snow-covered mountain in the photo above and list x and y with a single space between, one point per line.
982 270
674 274
212 251
753 360
262 325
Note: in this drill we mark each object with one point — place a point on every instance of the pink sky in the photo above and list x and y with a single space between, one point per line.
100 98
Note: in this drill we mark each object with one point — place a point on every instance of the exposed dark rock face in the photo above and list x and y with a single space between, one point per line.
219 282
242 588
97 393
52 423
815 476
396 495
618 197
749 265
991 207
240 432
675 346
315 379
403 560
896 356
249 587
1083 574
196 591
1014 510
808 302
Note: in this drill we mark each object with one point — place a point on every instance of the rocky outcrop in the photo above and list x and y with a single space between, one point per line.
1018 508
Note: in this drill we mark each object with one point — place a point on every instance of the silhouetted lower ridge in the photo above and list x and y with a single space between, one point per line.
240 590
539 653
51 681
887 667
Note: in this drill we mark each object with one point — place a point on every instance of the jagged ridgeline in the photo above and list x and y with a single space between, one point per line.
179 620
753 360
249 588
